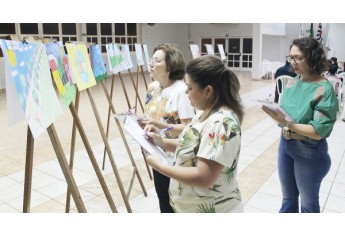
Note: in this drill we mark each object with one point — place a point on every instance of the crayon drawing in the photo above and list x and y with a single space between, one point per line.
80 66
29 69
97 63
66 89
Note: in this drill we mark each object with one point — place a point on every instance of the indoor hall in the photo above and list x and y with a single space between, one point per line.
257 170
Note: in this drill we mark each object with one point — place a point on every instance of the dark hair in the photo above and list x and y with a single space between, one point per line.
334 59
174 61
210 70
313 52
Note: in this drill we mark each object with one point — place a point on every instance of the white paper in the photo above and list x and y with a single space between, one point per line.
275 107
138 134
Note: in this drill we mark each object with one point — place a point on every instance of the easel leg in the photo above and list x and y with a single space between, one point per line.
142 72
136 90
28 171
125 91
108 119
92 158
110 154
71 159
124 140
65 169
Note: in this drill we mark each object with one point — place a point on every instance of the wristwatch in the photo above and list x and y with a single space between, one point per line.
286 125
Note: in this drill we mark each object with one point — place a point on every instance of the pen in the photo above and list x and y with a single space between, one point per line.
163 130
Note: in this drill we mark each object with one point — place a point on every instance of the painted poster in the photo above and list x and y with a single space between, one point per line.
139 54
29 69
65 62
147 56
221 51
66 89
111 56
115 57
126 55
194 48
80 65
209 49
97 63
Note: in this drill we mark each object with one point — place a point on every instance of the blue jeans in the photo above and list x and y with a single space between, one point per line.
302 164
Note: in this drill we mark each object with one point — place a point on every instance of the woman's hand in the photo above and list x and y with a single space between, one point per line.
276 115
153 161
153 135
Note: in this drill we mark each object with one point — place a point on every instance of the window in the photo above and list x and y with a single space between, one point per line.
203 42
29 28
7 28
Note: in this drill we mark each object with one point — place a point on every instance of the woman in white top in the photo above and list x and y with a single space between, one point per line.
166 105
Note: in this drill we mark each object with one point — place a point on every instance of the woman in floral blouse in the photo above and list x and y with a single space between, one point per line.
203 178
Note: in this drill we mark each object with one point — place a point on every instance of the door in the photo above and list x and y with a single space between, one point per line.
240 53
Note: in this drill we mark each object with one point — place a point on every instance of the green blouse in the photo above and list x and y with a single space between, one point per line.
311 103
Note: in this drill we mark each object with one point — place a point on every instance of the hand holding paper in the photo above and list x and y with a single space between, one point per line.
277 113
138 134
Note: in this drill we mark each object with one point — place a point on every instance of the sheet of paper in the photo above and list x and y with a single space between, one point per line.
138 134
275 107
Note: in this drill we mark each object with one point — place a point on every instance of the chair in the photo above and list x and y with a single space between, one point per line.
281 82
339 91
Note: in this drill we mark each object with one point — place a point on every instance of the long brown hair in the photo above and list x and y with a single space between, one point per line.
210 70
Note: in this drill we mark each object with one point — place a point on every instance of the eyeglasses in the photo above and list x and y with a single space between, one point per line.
297 59
155 61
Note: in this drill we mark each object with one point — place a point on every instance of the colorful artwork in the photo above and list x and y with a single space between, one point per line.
65 62
147 56
126 55
29 69
66 89
115 57
139 54
97 63
194 48
209 49
221 51
80 66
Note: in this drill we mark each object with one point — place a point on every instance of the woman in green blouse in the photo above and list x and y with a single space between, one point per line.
303 159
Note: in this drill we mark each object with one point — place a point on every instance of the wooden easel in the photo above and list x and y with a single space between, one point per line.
64 167
135 168
77 124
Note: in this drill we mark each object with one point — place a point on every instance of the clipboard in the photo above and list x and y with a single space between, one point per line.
132 127
275 107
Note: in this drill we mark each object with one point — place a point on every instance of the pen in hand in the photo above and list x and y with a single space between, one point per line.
161 130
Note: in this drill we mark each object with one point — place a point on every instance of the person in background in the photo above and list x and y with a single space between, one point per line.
203 178
303 159
167 105
284 70
334 66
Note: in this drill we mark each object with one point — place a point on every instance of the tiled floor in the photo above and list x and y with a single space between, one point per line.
257 172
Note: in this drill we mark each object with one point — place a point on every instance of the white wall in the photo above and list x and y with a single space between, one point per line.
166 33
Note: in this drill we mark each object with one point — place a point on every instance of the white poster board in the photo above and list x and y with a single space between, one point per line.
221 51
147 56
194 48
209 49
139 54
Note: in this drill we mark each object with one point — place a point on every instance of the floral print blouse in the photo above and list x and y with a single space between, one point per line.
218 138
